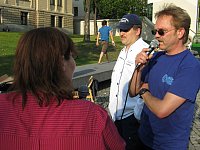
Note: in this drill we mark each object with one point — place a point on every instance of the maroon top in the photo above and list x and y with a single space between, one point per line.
74 125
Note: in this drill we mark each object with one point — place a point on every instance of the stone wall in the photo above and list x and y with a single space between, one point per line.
39 14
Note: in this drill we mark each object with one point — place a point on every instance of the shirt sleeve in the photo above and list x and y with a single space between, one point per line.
112 139
109 28
187 82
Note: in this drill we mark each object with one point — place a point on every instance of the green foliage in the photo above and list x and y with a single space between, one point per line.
115 9
196 47
88 53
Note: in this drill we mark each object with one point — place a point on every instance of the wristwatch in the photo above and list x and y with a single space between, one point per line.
142 91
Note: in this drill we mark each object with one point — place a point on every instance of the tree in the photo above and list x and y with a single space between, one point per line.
87 22
94 9
111 9
115 9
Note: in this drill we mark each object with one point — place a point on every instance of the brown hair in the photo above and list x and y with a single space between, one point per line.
181 19
135 27
38 66
104 22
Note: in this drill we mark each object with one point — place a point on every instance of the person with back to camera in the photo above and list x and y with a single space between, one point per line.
104 33
168 83
39 112
125 111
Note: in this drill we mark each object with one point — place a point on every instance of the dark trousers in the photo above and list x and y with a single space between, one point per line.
128 129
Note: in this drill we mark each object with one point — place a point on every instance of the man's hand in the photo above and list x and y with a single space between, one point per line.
142 58
145 85
113 43
97 43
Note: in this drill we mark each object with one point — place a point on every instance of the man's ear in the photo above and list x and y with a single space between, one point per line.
180 33
138 31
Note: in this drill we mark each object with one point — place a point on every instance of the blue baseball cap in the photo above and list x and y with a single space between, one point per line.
128 21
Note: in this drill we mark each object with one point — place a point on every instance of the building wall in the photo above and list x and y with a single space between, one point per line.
79 4
68 6
43 4
79 26
191 6
39 13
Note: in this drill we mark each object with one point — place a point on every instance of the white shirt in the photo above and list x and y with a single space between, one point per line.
121 75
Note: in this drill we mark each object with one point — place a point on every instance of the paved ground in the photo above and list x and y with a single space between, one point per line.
195 132
103 96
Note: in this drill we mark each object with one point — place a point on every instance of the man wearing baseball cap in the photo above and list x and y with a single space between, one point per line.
125 111
128 21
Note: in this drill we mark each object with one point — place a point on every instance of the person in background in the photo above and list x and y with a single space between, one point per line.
189 43
168 83
104 33
39 112
125 111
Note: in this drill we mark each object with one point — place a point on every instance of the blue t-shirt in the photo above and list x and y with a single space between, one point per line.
178 74
105 31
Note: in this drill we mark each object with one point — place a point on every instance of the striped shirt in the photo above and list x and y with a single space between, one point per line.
74 125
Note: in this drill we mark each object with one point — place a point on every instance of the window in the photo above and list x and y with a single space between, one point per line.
59 2
75 11
24 18
52 21
60 21
52 2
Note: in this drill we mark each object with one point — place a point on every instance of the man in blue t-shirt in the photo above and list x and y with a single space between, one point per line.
168 84
104 33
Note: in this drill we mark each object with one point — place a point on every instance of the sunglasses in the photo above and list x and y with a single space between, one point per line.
161 32
121 30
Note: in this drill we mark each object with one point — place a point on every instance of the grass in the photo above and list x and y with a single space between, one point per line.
88 53
7 50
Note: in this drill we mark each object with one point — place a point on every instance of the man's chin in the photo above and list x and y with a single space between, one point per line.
161 46
123 41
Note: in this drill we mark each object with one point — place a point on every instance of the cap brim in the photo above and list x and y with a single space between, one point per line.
123 27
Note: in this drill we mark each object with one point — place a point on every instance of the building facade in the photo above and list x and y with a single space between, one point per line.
78 9
36 13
